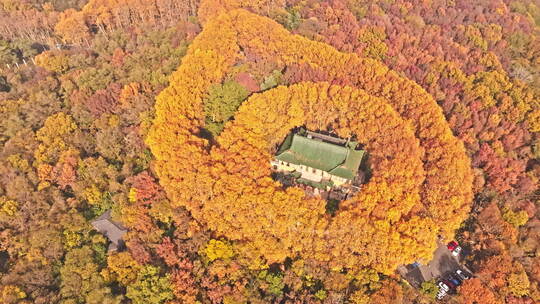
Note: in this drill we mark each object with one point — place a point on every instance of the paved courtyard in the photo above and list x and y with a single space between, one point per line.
442 264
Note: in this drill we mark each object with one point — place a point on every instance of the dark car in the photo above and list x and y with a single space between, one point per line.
456 281
449 284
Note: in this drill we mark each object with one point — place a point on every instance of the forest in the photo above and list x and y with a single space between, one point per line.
166 113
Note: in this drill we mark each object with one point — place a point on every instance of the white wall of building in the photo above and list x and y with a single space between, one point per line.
308 173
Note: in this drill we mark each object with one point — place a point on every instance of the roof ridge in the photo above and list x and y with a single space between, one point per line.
342 163
307 139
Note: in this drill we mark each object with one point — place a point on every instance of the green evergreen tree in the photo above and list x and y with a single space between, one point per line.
222 102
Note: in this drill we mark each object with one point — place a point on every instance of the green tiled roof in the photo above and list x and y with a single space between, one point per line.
334 159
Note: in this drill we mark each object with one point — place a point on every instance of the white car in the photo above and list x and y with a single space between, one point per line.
443 290
462 275
441 295
456 251
444 287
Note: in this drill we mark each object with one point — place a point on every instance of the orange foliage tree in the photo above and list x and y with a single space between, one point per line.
473 291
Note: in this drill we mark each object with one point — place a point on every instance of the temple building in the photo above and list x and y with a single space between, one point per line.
319 158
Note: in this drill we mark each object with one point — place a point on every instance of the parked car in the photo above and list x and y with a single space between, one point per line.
455 281
449 284
443 286
441 294
443 290
454 247
462 275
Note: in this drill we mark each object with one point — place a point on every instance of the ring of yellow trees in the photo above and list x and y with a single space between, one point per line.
421 184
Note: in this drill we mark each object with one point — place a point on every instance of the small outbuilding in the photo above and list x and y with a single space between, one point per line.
111 229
